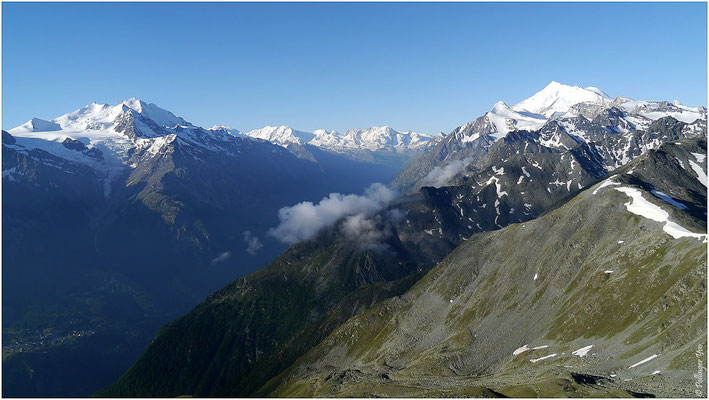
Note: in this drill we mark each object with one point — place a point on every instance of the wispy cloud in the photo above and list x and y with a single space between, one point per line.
253 243
304 220
441 176
222 257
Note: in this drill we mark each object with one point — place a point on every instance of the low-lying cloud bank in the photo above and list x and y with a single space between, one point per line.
441 176
304 220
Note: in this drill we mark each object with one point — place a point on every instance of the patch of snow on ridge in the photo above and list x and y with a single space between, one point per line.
701 175
582 351
506 119
640 206
607 182
543 358
700 157
37 125
520 350
643 361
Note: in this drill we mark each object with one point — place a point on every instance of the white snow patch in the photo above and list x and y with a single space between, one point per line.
520 350
701 175
643 361
582 351
607 182
543 358
700 157
640 206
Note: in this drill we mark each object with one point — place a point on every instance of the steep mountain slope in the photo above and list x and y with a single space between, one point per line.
604 296
119 218
564 117
515 179
247 332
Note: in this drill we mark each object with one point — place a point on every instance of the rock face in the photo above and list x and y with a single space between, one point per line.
591 299
561 117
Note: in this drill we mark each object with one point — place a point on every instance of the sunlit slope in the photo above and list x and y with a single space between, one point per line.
612 299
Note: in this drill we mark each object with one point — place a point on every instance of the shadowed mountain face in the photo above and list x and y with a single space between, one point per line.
600 297
106 240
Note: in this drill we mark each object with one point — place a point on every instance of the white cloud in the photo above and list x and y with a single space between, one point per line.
253 243
304 220
222 257
368 233
441 176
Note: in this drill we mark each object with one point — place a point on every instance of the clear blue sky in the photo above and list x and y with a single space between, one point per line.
424 67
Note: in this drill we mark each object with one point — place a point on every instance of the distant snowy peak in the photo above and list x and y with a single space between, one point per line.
384 137
373 139
103 118
558 98
227 129
566 104
497 123
158 115
37 125
119 133
281 135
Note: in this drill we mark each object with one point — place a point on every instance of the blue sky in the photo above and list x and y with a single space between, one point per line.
424 67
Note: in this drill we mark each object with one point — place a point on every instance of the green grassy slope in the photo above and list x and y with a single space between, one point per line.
534 284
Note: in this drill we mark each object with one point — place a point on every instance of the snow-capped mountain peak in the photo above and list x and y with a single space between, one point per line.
557 97
159 115
226 128
571 107
281 135
374 138
39 125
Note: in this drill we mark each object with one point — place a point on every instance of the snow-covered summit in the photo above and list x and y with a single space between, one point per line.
228 129
374 138
100 120
565 104
558 98
38 125
114 135
281 135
